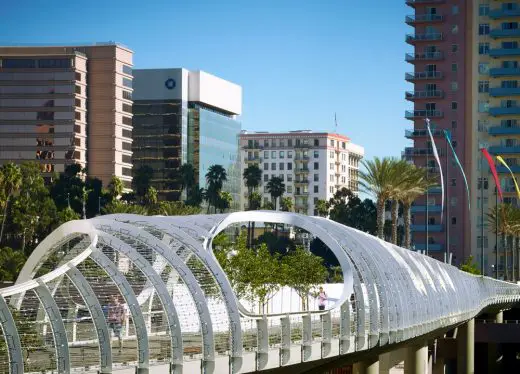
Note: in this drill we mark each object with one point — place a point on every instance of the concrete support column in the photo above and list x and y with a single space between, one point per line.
369 366
499 317
439 366
466 348
493 348
416 360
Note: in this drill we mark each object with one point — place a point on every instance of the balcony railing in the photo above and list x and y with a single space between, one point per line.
413 3
504 33
504 91
503 130
427 37
301 193
412 151
302 158
411 134
503 13
501 72
301 181
499 149
253 159
412 114
422 228
499 111
421 18
300 171
301 145
423 75
414 95
425 56
253 146
503 169
504 52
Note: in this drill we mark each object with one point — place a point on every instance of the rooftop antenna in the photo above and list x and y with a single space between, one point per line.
335 123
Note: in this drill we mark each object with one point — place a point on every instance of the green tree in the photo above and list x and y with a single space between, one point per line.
256 201
115 188
187 173
150 198
268 206
276 188
196 196
303 272
347 209
141 180
173 208
469 266
11 262
66 215
117 207
215 178
322 208
67 189
252 177
224 202
10 181
287 204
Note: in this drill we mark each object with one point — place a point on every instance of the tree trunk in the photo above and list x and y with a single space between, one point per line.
380 218
395 213
252 233
504 245
513 277
407 212
3 219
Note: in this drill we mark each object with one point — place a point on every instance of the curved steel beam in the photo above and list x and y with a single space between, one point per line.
12 339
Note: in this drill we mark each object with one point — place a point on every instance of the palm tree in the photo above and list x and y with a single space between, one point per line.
322 208
187 173
252 176
10 182
115 187
215 178
403 179
381 179
224 201
507 224
287 204
416 186
151 197
276 188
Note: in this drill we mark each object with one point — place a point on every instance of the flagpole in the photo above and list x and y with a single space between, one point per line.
482 214
496 232
427 198
447 204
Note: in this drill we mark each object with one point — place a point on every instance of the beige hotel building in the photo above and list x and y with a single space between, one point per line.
62 105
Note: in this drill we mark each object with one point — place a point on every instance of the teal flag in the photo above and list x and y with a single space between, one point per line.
448 139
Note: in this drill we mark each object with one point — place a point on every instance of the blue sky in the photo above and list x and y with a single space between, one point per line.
297 61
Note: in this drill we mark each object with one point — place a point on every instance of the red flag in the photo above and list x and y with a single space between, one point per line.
493 171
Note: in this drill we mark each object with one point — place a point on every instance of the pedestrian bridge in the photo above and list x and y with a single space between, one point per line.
183 315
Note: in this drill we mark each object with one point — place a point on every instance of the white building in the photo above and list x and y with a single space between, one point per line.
313 165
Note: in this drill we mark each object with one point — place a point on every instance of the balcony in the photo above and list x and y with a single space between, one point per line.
412 151
412 134
423 18
253 146
301 171
503 13
413 3
502 72
425 56
422 228
253 159
507 33
499 149
302 158
426 37
414 114
423 75
302 146
499 111
422 208
301 181
436 247
514 168
504 91
418 95
504 52
302 193
503 130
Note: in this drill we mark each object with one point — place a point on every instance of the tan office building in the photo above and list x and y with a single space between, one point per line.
68 104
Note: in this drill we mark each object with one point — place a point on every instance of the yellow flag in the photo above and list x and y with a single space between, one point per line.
499 158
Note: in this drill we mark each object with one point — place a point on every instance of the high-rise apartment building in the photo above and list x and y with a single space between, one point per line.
68 104
465 77
313 165
183 116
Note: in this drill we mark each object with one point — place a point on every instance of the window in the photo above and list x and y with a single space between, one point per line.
266 176
510 64
127 95
343 145
289 188
78 90
289 142
454 105
18 63
127 82
127 69
483 29
454 143
453 220
316 166
266 166
453 124
479 183
332 143
273 154
282 143
454 86
127 108
455 29
331 189
282 177
483 9
331 154
483 106
331 178
509 25
331 166
127 133
316 177
454 10
289 154
78 116
483 86
282 154
316 154
316 142
454 48
127 146
127 172
453 182
126 159
77 76
281 166
273 165
289 177
266 142
479 241
509 84
127 121
289 166
315 189
266 155
77 102
483 48
483 68
510 45
454 67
